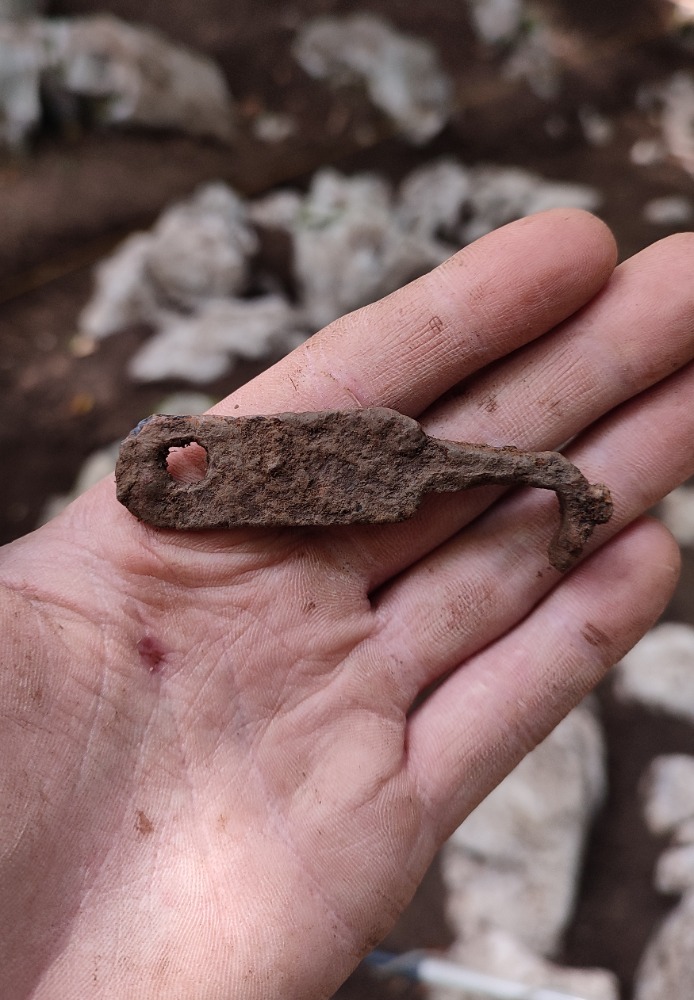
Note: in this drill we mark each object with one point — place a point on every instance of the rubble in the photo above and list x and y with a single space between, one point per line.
676 511
514 863
670 210
349 249
667 966
675 98
13 10
659 671
202 347
123 296
447 201
352 240
184 278
510 871
432 200
534 62
402 74
597 128
273 127
124 74
669 793
646 152
503 194
199 249
497 21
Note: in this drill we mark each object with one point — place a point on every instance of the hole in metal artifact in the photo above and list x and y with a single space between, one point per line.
187 463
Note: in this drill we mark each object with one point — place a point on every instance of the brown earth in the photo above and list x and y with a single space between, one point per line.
72 196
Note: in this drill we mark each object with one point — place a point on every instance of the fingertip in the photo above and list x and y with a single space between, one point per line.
582 226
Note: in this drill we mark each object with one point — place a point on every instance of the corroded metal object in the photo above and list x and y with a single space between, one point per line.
336 467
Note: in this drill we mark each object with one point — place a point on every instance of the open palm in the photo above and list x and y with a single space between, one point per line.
229 757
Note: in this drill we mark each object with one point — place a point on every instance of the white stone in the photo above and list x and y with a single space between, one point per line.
677 513
597 127
277 210
502 194
432 198
670 210
666 971
667 967
22 61
497 20
13 10
677 117
669 793
130 74
499 955
273 126
123 294
514 863
646 152
185 402
659 670
203 347
200 249
534 61
349 249
674 871
401 73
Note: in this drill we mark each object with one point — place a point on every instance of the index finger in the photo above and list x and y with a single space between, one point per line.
409 348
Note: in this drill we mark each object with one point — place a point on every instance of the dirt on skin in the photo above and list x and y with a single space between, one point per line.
72 196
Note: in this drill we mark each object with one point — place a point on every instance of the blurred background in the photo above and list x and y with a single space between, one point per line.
189 190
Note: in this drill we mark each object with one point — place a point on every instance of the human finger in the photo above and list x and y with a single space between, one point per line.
500 703
407 349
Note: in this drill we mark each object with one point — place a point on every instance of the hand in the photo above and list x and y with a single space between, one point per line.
214 781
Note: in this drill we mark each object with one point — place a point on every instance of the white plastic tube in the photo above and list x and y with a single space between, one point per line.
432 971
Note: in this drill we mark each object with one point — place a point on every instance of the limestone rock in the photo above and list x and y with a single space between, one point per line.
127 74
197 251
447 201
669 792
13 10
202 347
667 967
514 863
401 73
123 296
497 21
349 249
670 210
200 249
659 670
676 510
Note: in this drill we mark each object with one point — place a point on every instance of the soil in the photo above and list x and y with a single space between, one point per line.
72 196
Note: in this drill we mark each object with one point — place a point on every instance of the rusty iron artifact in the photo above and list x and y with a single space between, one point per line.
336 467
